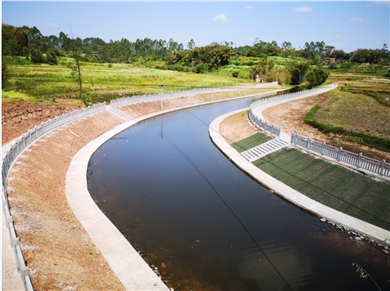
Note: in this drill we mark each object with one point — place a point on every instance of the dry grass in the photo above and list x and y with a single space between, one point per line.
356 112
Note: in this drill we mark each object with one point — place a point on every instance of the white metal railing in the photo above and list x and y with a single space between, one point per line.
269 127
264 125
291 96
357 161
10 157
178 94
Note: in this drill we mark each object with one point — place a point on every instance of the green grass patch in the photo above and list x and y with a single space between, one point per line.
250 142
331 185
379 143
104 79
17 95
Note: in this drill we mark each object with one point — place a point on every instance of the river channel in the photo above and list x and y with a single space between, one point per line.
206 225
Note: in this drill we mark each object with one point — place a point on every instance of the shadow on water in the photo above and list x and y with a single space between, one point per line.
205 225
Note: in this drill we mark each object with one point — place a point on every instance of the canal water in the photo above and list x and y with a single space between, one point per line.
205 225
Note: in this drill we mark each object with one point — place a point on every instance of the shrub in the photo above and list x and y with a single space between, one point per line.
51 57
202 68
4 74
317 77
333 66
37 56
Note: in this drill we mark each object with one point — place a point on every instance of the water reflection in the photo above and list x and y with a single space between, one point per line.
206 225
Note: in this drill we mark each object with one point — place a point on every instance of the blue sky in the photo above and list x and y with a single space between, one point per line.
345 25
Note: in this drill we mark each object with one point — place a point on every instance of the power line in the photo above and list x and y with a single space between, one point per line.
232 212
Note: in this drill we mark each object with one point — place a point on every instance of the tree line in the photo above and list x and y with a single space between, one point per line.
25 41
30 43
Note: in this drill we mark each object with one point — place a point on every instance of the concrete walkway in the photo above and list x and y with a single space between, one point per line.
290 194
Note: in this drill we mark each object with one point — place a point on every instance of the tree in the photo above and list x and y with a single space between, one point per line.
74 48
4 74
272 48
51 57
339 54
26 52
37 56
317 77
35 38
286 45
258 50
77 70
213 56
298 71
191 44
287 49
14 40
329 50
317 60
365 56
265 69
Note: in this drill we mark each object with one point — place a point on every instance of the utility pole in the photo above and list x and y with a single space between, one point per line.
161 99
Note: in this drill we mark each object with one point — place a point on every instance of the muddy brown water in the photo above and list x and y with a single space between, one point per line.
205 225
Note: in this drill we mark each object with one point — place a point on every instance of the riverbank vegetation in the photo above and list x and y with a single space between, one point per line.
46 68
356 112
58 65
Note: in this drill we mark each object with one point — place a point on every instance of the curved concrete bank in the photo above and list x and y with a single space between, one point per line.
123 259
290 194
127 264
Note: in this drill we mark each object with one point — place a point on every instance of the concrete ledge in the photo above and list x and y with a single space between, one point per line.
290 194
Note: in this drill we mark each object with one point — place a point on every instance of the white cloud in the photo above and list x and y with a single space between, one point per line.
51 24
383 2
221 18
250 7
303 9
356 19
338 36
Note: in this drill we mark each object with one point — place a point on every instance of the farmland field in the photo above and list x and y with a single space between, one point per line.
40 81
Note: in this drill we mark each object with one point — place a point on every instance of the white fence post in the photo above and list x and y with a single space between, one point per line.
382 167
323 148
339 154
358 160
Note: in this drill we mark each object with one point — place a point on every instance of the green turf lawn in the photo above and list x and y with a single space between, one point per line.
250 142
342 189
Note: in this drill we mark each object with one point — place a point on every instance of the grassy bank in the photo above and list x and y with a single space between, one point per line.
250 142
331 185
356 112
